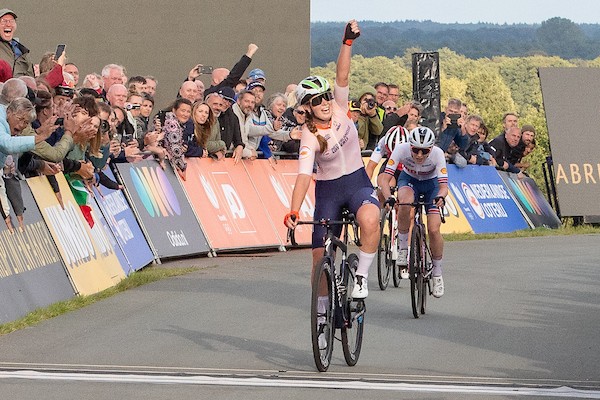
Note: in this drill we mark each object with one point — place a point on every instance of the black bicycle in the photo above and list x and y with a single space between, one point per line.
419 262
387 251
333 286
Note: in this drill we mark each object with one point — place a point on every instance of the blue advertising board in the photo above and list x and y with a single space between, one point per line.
484 199
135 251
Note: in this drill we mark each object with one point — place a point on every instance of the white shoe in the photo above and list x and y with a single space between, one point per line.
404 273
402 260
322 337
360 290
438 286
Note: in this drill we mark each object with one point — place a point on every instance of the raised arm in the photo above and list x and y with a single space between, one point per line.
343 63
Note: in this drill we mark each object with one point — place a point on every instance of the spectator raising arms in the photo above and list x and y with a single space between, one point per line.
330 139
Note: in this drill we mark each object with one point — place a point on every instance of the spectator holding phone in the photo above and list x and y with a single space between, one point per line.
452 121
369 123
11 51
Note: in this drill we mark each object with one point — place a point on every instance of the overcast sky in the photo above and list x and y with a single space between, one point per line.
463 11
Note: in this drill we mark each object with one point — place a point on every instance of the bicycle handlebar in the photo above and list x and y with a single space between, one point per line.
418 204
350 220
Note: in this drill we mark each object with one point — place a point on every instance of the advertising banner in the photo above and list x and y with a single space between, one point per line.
31 271
274 185
228 206
163 209
531 201
571 103
484 199
456 221
90 259
124 227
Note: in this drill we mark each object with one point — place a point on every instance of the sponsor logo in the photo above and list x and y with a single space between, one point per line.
472 200
304 152
391 162
155 191
444 171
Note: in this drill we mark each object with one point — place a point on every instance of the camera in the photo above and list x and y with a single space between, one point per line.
59 121
454 120
205 69
371 103
130 107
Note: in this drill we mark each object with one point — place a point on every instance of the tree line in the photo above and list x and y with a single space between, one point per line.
554 37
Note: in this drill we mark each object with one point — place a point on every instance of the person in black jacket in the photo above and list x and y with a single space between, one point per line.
502 146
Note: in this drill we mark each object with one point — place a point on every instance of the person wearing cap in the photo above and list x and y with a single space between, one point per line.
11 51
257 75
517 152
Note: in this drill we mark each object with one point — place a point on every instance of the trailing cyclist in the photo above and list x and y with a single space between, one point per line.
423 172
330 139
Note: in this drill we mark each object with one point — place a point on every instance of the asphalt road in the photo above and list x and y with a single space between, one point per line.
520 318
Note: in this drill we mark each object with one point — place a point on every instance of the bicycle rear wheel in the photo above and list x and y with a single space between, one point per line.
354 316
321 321
414 270
384 255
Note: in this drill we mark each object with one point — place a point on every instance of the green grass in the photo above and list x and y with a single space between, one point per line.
143 277
563 230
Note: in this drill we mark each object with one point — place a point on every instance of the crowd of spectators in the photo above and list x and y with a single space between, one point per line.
51 120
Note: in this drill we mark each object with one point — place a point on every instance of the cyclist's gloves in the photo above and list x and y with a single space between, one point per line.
390 202
292 215
349 36
438 198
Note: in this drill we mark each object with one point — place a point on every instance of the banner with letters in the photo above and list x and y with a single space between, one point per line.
274 184
163 209
484 199
228 206
90 259
32 274
124 227
531 201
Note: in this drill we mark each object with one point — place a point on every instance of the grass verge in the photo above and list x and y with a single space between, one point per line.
139 278
563 230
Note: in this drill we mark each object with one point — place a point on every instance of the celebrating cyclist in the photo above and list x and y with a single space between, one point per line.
330 139
423 172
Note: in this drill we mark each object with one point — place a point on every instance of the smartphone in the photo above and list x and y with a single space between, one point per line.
206 69
59 121
60 49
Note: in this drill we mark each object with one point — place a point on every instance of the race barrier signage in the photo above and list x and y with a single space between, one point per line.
274 184
456 221
484 199
88 255
531 201
228 206
162 208
31 271
124 227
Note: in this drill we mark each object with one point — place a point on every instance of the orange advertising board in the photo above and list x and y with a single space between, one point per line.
275 184
88 253
228 206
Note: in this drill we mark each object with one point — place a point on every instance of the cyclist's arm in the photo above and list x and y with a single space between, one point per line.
383 181
443 190
370 168
342 69
300 189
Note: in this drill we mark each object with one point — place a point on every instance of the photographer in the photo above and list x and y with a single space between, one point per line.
452 121
369 124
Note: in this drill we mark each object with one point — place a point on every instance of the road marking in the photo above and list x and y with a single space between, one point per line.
562 391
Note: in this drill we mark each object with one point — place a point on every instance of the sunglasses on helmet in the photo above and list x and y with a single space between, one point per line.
423 151
317 100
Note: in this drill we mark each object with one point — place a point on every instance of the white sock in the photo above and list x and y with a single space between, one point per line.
364 262
403 240
437 268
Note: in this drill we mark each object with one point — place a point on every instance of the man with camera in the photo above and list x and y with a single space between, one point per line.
369 125
452 122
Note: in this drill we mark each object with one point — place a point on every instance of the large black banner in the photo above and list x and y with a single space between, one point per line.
426 87
572 104
162 207
31 271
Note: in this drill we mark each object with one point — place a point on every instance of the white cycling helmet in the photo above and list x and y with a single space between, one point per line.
395 135
309 87
422 137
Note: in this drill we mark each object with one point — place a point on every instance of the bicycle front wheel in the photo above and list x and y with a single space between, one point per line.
354 316
321 314
384 255
424 281
414 270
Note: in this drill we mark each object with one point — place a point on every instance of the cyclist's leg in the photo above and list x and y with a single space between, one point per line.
406 194
436 240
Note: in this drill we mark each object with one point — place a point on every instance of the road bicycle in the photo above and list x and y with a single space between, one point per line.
387 252
334 284
419 261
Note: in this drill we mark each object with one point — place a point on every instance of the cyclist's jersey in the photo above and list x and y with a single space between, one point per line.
342 156
433 166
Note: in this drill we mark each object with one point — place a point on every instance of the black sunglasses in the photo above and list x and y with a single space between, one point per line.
391 108
300 112
317 100
423 151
